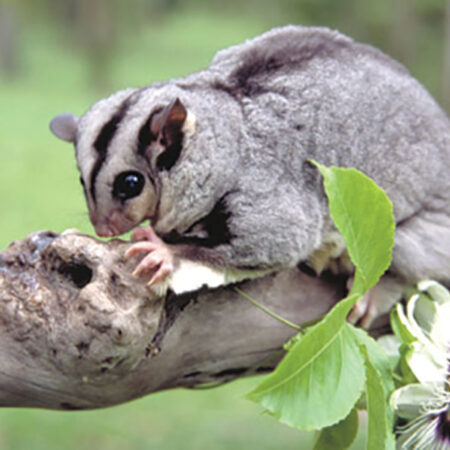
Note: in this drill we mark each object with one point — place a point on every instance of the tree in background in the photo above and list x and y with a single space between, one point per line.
9 51
412 31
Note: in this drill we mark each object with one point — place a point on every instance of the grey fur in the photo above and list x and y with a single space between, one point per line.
262 109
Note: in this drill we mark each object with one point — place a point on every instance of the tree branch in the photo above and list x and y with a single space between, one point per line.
77 331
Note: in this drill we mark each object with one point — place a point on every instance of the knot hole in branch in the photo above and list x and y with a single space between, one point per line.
78 273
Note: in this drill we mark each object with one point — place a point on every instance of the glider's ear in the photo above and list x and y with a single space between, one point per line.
168 127
65 127
169 121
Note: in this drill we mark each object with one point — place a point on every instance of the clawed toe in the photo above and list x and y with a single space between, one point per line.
140 247
154 262
145 234
379 300
364 312
156 265
161 275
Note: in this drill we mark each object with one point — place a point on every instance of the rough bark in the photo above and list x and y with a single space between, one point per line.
77 331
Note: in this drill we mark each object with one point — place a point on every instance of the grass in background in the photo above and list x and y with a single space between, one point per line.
39 189
39 184
218 419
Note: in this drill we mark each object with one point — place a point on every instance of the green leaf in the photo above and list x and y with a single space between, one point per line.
400 325
378 358
321 378
339 436
362 212
407 375
379 435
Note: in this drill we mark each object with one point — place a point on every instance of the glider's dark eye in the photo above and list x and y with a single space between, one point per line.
82 181
128 185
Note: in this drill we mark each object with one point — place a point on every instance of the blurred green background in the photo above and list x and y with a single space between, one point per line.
62 55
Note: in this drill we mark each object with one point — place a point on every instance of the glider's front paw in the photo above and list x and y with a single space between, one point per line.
377 301
157 265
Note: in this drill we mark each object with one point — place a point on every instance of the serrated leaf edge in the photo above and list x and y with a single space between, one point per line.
330 316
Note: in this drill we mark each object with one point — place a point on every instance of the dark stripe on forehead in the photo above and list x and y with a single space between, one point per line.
103 139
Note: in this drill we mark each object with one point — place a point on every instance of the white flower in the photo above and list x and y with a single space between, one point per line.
423 333
426 409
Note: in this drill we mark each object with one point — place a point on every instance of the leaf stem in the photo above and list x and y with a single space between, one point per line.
267 310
